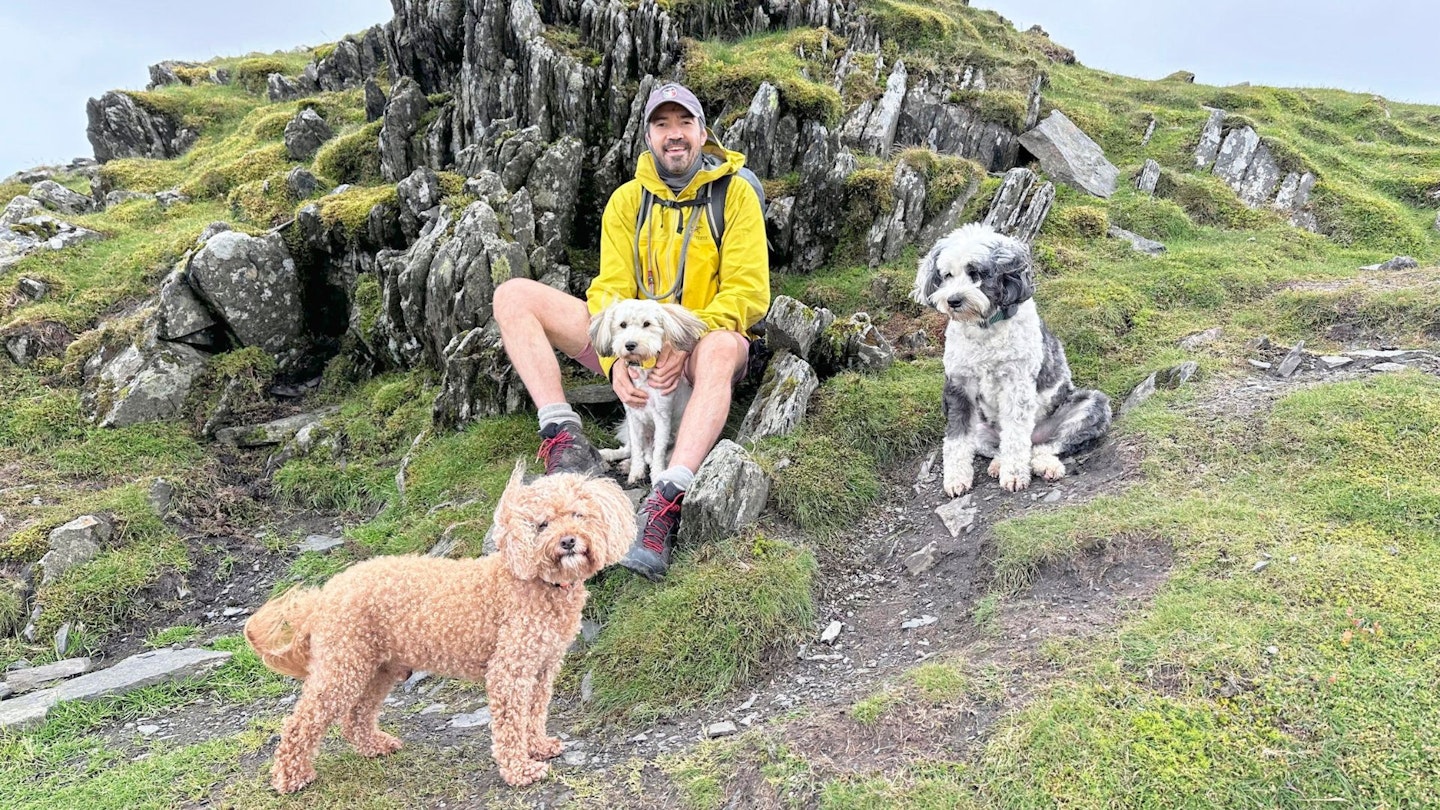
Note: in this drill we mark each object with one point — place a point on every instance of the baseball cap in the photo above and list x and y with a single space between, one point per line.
672 92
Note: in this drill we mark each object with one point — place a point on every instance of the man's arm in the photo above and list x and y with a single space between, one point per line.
744 295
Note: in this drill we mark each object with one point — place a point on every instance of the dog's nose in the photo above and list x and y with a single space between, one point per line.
567 544
956 302
630 347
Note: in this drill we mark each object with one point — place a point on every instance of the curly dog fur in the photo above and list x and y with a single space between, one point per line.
506 618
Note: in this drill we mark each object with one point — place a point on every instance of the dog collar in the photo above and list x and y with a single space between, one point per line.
1001 314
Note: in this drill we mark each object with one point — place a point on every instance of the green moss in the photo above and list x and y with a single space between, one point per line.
825 486
1352 216
252 74
352 157
869 710
910 24
351 207
1078 222
1151 217
885 416
1208 201
1007 108
705 632
724 74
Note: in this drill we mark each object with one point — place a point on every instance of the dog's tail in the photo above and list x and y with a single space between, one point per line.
280 631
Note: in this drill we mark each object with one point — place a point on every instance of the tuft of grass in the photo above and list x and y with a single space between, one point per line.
728 74
352 157
155 639
705 632
869 710
885 416
820 484
940 681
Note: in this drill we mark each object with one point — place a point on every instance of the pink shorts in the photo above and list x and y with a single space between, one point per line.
589 359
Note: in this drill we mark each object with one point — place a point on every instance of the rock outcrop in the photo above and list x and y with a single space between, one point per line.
1246 163
1070 156
120 128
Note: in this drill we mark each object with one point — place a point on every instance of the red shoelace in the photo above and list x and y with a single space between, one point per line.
555 444
660 517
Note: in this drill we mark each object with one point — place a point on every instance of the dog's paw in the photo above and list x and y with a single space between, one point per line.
378 745
994 469
524 772
1048 467
546 748
289 780
955 486
1014 477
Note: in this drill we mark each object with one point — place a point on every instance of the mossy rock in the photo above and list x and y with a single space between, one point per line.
352 158
253 74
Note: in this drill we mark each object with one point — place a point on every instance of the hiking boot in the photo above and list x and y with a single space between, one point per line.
564 449
658 519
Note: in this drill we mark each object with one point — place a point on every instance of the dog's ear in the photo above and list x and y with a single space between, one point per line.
602 334
507 507
682 328
616 519
1017 277
514 533
927 278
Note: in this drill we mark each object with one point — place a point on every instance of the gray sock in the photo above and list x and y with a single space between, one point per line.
681 477
559 412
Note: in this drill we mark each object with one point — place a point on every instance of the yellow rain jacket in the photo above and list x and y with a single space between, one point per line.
727 288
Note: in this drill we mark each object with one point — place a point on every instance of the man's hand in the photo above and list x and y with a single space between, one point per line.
669 367
622 381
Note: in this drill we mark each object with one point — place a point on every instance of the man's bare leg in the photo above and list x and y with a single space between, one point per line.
535 320
717 360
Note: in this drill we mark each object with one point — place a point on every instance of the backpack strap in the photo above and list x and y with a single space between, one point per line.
716 211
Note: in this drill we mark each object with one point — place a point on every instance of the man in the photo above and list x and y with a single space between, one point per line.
667 253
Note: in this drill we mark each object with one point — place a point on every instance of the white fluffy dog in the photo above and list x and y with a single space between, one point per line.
635 330
1008 394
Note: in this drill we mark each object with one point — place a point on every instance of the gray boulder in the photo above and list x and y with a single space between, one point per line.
1236 151
341 69
252 284
1070 156
478 380
280 88
792 326
142 669
729 493
878 133
374 101
121 128
1139 243
890 234
60 199
305 134
419 198
1149 177
277 431
1208 147
32 288
854 344
182 315
1397 263
781 402
23 680
300 183
1021 205
73 545
145 382
398 152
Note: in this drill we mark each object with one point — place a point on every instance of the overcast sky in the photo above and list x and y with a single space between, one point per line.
54 54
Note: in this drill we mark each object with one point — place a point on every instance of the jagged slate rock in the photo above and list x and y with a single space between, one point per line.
73 545
923 621
958 515
1397 263
160 496
374 101
135 672
1388 354
596 394
170 197
487 185
274 432
755 132
121 128
1383 367
823 172
1139 394
1070 156
14 247
146 382
922 560
1236 152
728 493
1258 364
879 133
1192 342
1138 242
478 380
891 234
778 221
320 543
28 342
1294 195
722 729
476 719
1291 361
1261 179
280 88
252 284
419 195
404 109
1020 205
23 680
1149 175
62 640
20 209
780 403
58 198
120 196
1209 146
305 134
520 215
32 288
1330 362
516 154
554 186
854 344
372 49
791 325
300 183
832 632
1149 133
341 69
181 313
1176 376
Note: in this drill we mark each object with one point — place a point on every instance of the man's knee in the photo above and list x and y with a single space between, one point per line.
513 297
720 352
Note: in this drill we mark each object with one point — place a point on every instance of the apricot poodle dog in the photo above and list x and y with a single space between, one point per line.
507 618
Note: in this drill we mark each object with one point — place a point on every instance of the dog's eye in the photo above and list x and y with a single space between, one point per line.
542 526
645 325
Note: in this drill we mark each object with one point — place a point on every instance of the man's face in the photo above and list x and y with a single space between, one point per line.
676 137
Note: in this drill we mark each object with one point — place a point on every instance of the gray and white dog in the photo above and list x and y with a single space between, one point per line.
1008 394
